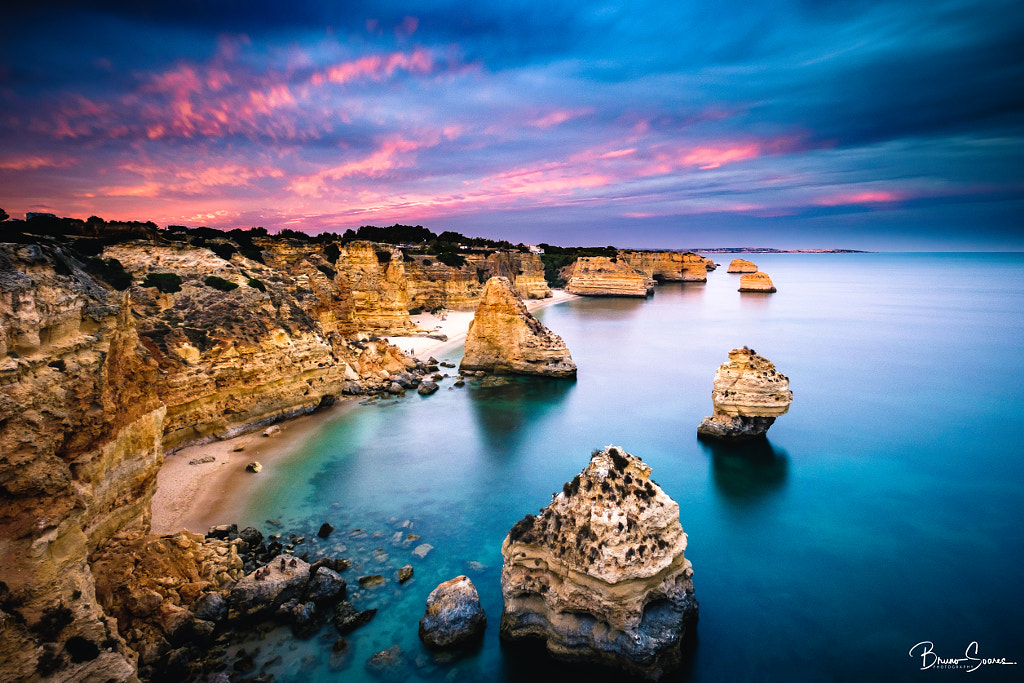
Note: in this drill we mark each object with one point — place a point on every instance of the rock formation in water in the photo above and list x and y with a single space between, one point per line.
756 282
738 265
600 575
709 264
748 395
668 266
454 617
505 338
605 276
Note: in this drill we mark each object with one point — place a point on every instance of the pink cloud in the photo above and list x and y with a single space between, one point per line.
707 158
32 163
557 117
865 197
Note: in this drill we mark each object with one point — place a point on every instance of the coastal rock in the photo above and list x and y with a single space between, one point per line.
738 265
505 338
347 618
709 264
254 467
253 596
748 395
426 388
453 617
405 573
600 574
756 282
668 266
605 276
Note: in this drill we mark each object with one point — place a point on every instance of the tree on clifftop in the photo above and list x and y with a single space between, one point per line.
3 215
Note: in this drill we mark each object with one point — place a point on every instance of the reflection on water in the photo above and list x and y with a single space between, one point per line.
746 472
755 301
504 407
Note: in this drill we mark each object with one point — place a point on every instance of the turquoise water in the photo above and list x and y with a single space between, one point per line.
884 511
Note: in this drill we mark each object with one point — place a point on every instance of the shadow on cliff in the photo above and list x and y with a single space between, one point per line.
747 472
506 407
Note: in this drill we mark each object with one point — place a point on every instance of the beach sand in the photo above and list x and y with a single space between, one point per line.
196 497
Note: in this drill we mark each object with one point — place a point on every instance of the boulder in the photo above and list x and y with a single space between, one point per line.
325 586
254 467
211 607
600 574
426 388
505 338
325 530
756 282
405 573
253 596
272 430
453 617
748 395
347 618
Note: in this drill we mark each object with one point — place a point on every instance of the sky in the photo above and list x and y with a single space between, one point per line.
860 124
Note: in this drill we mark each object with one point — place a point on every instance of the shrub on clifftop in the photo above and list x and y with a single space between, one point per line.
220 283
167 283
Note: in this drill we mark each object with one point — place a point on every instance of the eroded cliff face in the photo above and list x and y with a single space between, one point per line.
604 276
668 266
80 448
433 284
600 574
505 338
748 395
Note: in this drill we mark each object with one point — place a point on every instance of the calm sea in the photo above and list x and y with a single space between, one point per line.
885 510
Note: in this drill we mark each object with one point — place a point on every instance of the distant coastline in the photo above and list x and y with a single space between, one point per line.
769 250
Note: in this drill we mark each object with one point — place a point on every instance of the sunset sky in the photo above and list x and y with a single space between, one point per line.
790 124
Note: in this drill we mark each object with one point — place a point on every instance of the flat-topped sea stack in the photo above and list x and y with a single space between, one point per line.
757 282
605 276
599 575
504 338
668 266
748 395
738 265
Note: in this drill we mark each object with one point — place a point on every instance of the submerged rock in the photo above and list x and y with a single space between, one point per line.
756 282
453 617
600 575
505 338
748 395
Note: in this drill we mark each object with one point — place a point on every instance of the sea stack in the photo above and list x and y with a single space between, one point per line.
504 338
738 265
605 276
756 282
748 395
599 575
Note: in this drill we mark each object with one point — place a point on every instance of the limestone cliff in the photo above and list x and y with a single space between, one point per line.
432 284
748 395
80 447
756 282
738 265
605 276
668 266
505 338
600 574
709 264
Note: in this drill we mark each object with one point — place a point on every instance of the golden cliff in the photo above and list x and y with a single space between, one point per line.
600 574
605 276
668 266
432 284
80 447
748 395
505 338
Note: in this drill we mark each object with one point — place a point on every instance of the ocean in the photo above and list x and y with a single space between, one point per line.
884 511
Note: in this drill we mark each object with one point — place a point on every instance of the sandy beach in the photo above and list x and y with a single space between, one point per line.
198 496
